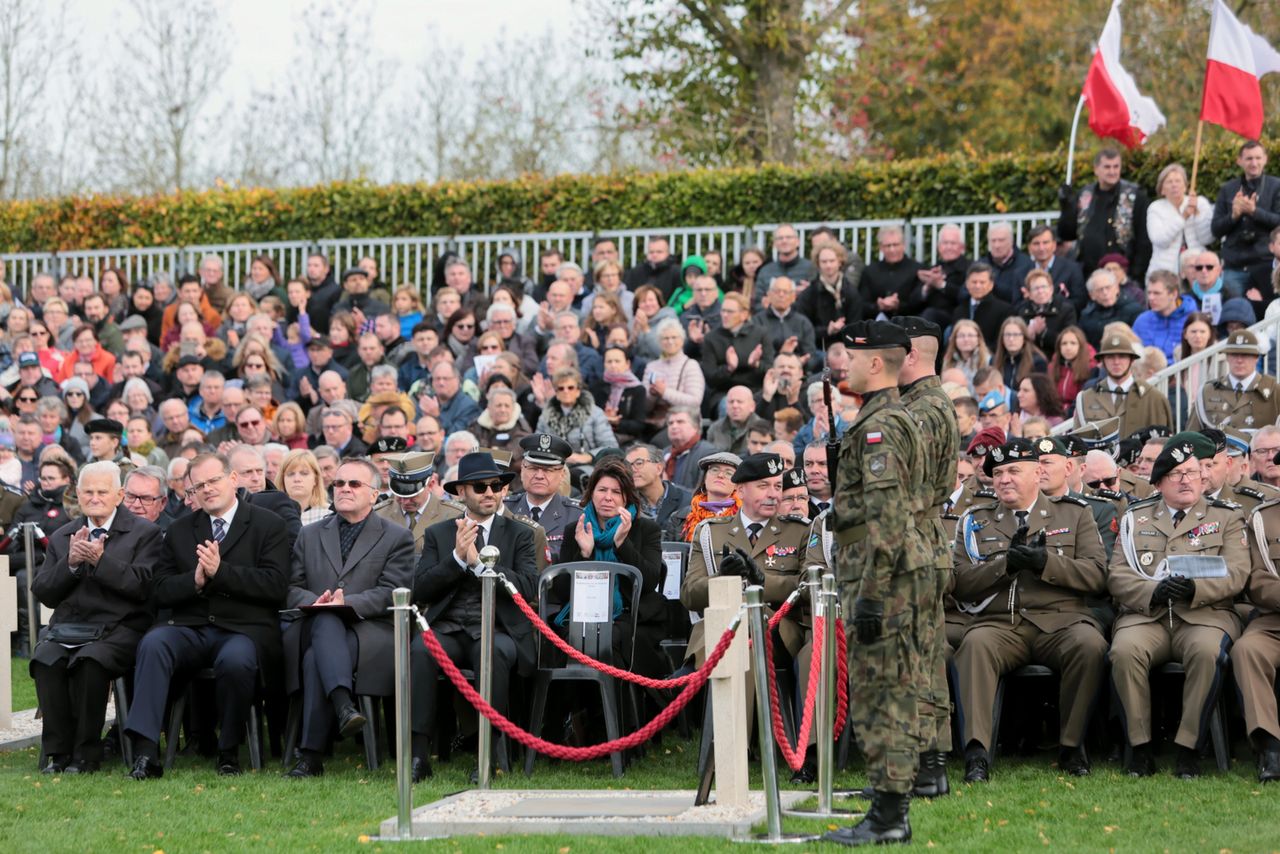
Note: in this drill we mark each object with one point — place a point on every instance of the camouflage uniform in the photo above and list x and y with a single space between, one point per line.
936 415
884 556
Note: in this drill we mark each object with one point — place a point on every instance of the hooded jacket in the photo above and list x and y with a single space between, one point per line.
1165 333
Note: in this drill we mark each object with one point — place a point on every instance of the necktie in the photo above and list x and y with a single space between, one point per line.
219 529
1022 521
410 518
1178 516
479 540
753 531
96 533
823 505
535 513
347 537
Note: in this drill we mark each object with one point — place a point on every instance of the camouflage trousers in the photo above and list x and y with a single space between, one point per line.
935 703
888 679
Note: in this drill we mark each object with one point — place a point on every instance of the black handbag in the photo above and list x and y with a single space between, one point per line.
75 634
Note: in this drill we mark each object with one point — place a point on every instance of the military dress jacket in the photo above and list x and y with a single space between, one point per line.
1263 588
435 510
1139 407
1219 405
1250 494
1148 535
1075 568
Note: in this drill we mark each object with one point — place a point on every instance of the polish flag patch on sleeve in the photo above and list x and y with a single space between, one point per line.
873 438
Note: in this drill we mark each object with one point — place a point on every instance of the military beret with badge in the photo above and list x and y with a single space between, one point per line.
984 440
793 479
1186 445
1015 450
759 467
875 335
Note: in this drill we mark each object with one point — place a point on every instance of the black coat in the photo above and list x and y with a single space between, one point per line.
819 305
438 578
113 593
642 549
633 408
380 560
1245 240
245 595
1058 315
665 276
280 504
989 314
714 347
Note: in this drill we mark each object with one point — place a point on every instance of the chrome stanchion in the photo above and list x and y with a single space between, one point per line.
404 689
768 759
33 608
488 579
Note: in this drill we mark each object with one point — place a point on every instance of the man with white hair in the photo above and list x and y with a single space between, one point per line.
1106 305
211 279
942 285
1008 262
458 445
889 284
820 424
250 467
145 494
1264 447
502 319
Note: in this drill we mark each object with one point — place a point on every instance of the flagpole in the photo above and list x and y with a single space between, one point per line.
1071 148
1195 162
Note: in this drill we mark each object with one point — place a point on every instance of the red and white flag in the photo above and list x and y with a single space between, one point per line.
1238 57
1116 108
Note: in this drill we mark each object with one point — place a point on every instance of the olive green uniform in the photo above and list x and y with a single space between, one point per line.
1197 634
1256 655
884 556
1028 618
435 510
1140 406
1219 404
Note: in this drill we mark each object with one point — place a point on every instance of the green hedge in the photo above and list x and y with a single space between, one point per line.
952 184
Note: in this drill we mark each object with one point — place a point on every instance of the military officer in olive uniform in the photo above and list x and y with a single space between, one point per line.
415 507
887 569
1166 615
754 544
1059 469
1242 489
1025 568
1256 655
935 414
1119 394
1242 397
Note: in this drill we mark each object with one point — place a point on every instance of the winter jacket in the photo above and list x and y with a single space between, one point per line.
584 426
1164 333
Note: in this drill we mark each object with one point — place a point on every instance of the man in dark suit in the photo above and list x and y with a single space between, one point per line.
96 572
223 573
250 467
982 306
447 587
541 472
353 558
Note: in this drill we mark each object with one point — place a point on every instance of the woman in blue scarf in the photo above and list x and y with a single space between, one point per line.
612 529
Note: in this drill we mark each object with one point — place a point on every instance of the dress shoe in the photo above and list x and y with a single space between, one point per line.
806 776
1074 761
146 768
1188 765
83 766
307 767
54 764
421 769
886 822
350 721
1269 766
1141 763
977 768
229 764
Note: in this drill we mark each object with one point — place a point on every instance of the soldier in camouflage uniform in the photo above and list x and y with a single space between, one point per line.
885 566
935 414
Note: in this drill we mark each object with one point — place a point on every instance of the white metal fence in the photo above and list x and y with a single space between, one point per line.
412 259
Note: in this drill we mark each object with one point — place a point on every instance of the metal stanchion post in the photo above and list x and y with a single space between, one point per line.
488 579
827 696
33 608
404 745
768 759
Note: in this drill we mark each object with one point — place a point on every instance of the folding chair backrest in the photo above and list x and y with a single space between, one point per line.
594 639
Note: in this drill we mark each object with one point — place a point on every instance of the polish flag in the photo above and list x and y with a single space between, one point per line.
1116 108
1238 57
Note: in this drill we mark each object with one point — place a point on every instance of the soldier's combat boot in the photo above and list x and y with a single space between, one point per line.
931 780
886 822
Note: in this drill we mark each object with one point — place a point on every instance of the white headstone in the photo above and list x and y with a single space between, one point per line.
8 624
728 687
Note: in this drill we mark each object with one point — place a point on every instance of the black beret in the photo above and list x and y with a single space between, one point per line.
759 467
1129 451
105 425
543 449
1015 450
1076 447
875 335
793 478
389 445
1151 431
1174 454
918 327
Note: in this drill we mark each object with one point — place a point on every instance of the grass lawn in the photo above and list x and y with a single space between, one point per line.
24 688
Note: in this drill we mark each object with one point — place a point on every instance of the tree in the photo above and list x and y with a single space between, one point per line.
26 67
725 83
149 131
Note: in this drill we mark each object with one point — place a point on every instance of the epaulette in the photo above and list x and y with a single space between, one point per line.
1109 494
1245 490
794 517
1059 499
1150 499
1224 504
718 520
456 505
385 502
985 492
524 520
993 506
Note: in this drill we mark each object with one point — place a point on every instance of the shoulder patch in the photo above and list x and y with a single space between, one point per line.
456 505
1109 494
1224 504
1252 493
1070 499
985 492
524 520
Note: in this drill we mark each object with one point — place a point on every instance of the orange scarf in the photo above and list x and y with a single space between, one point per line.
697 513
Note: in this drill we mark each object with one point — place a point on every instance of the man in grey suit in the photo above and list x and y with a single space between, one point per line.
349 562
541 473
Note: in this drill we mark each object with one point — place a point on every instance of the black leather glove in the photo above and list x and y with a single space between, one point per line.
1029 557
1019 538
868 619
739 563
1182 589
1163 594
1064 194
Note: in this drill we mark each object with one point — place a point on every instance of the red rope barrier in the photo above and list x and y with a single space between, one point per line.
842 678
794 756
582 658
561 751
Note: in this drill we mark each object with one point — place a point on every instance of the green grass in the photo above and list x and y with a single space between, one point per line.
24 689
1027 806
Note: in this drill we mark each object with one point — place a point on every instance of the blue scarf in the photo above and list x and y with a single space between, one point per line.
604 551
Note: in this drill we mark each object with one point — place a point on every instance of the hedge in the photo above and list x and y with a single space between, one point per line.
950 184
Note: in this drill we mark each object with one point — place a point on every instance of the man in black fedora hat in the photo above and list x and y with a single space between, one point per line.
447 588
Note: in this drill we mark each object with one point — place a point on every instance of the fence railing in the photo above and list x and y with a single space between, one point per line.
412 259
1182 380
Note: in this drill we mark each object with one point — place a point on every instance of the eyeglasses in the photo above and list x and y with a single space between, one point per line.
1206 266
201 487
1265 452
350 484
494 486
643 461
134 498
247 423
1183 476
